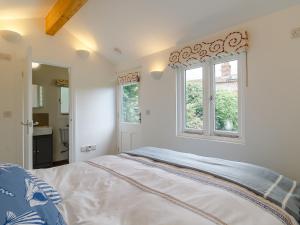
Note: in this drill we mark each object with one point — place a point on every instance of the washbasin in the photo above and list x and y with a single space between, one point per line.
39 131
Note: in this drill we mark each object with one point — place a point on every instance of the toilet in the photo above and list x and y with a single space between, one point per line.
64 136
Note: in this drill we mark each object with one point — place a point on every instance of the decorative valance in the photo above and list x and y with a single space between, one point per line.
230 43
62 83
131 77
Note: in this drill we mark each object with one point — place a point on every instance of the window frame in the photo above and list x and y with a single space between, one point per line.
183 91
121 103
209 90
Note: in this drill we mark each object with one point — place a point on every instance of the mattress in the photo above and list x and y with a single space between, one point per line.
126 189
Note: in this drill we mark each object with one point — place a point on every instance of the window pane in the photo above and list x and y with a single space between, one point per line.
130 104
194 99
226 100
64 100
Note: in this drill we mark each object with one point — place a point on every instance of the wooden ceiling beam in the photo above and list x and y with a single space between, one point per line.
60 13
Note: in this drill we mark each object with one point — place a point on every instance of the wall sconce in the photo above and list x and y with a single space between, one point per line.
10 36
156 75
83 54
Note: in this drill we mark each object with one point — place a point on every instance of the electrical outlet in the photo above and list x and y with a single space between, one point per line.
88 148
91 148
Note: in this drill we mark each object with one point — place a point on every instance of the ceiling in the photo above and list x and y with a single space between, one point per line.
143 27
24 9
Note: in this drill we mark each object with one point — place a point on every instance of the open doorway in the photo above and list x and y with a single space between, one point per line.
51 111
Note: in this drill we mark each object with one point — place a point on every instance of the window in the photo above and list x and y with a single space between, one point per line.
210 99
130 112
64 100
194 113
226 104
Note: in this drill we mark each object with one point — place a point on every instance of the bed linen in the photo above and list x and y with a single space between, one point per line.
267 183
129 190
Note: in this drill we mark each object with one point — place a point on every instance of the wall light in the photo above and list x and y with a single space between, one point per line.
156 75
10 36
83 54
35 65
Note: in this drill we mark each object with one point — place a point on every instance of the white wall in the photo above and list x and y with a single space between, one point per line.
90 80
272 99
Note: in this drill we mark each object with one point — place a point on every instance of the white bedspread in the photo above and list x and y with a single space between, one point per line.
115 190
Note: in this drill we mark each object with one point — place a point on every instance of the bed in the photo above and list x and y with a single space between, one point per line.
151 186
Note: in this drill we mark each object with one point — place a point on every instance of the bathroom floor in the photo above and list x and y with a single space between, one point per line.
60 163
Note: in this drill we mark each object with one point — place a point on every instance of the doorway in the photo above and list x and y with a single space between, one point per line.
50 115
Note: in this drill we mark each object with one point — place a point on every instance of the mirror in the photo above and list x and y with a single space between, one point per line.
37 96
64 100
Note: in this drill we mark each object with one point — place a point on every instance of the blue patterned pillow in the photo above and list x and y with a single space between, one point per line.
51 193
23 200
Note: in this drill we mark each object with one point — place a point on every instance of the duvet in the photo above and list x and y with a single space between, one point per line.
128 189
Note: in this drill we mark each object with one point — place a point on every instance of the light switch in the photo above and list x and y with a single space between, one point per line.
148 112
296 33
7 114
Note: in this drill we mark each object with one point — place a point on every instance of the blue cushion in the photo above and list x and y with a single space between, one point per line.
51 193
23 200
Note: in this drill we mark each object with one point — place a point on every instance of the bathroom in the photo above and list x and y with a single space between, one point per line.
50 99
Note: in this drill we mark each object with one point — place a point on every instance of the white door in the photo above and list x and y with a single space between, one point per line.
11 104
26 124
129 117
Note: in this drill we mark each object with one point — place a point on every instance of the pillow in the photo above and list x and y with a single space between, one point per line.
24 200
51 193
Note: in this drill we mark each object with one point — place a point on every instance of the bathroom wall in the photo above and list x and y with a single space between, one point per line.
46 76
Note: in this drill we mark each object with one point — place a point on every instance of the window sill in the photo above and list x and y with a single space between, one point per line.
230 140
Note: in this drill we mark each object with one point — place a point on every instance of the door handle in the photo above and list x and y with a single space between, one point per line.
28 125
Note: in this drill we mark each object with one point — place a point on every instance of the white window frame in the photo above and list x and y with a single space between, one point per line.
182 88
209 131
121 102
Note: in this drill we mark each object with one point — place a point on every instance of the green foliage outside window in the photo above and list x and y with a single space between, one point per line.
226 108
130 103
194 104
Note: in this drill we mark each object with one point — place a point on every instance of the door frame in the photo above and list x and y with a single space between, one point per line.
72 107
27 111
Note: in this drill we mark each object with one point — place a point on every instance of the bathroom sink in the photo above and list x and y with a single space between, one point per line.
39 131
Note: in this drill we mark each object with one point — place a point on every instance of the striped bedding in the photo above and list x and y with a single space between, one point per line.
269 184
128 189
